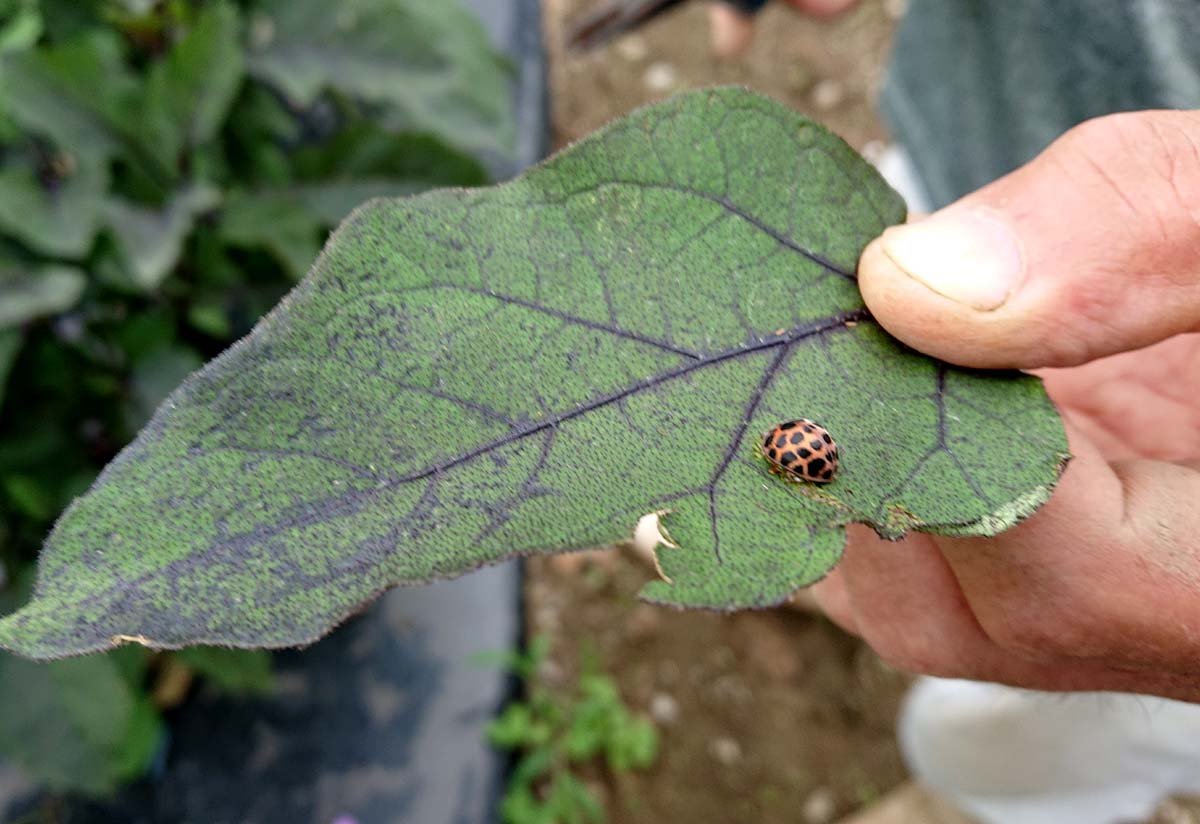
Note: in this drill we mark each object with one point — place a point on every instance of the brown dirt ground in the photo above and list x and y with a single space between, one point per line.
780 717
776 709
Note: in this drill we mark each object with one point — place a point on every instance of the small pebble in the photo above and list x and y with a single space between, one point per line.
546 618
663 708
660 77
632 48
725 750
828 94
550 672
819 807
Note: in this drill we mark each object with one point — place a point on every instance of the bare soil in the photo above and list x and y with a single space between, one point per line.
761 714
828 70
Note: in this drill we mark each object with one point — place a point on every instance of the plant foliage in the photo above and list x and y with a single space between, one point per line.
556 737
167 171
468 375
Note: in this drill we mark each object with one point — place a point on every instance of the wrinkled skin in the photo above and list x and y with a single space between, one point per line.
1100 590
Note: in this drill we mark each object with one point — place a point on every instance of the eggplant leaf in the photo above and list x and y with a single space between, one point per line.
469 375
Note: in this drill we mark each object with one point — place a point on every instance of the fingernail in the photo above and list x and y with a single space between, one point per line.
963 254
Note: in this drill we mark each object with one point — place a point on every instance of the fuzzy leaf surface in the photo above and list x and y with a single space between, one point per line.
469 375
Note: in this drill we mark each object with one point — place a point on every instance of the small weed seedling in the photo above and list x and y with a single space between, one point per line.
558 737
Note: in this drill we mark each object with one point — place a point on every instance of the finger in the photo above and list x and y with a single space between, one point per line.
833 598
730 30
1092 248
903 598
1106 571
905 603
1139 404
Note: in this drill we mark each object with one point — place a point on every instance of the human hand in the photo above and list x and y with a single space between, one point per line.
732 30
1083 265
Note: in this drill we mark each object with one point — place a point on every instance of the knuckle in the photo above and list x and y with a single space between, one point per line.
1147 162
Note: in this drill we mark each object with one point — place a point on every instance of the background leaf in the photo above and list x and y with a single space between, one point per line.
151 240
421 66
29 291
78 724
276 221
236 671
79 93
10 346
469 375
188 93
56 217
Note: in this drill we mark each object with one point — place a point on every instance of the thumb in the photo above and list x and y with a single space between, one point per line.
1092 248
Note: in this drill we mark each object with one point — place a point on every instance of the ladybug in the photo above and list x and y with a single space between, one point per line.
801 450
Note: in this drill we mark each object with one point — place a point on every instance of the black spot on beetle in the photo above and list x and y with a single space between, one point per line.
808 427
781 441
787 458
827 474
773 454
826 438
804 453
815 443
767 441
797 437
788 425
814 468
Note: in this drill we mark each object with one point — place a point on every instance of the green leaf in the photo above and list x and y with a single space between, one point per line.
364 150
58 219
75 725
470 375
632 744
521 806
10 347
28 496
512 728
78 93
29 291
22 30
66 18
155 375
151 240
572 801
275 221
235 671
532 766
190 91
418 65
289 221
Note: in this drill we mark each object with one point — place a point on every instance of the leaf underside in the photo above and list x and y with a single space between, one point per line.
466 376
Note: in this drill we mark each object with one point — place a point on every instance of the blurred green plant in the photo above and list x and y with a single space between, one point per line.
559 735
168 170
